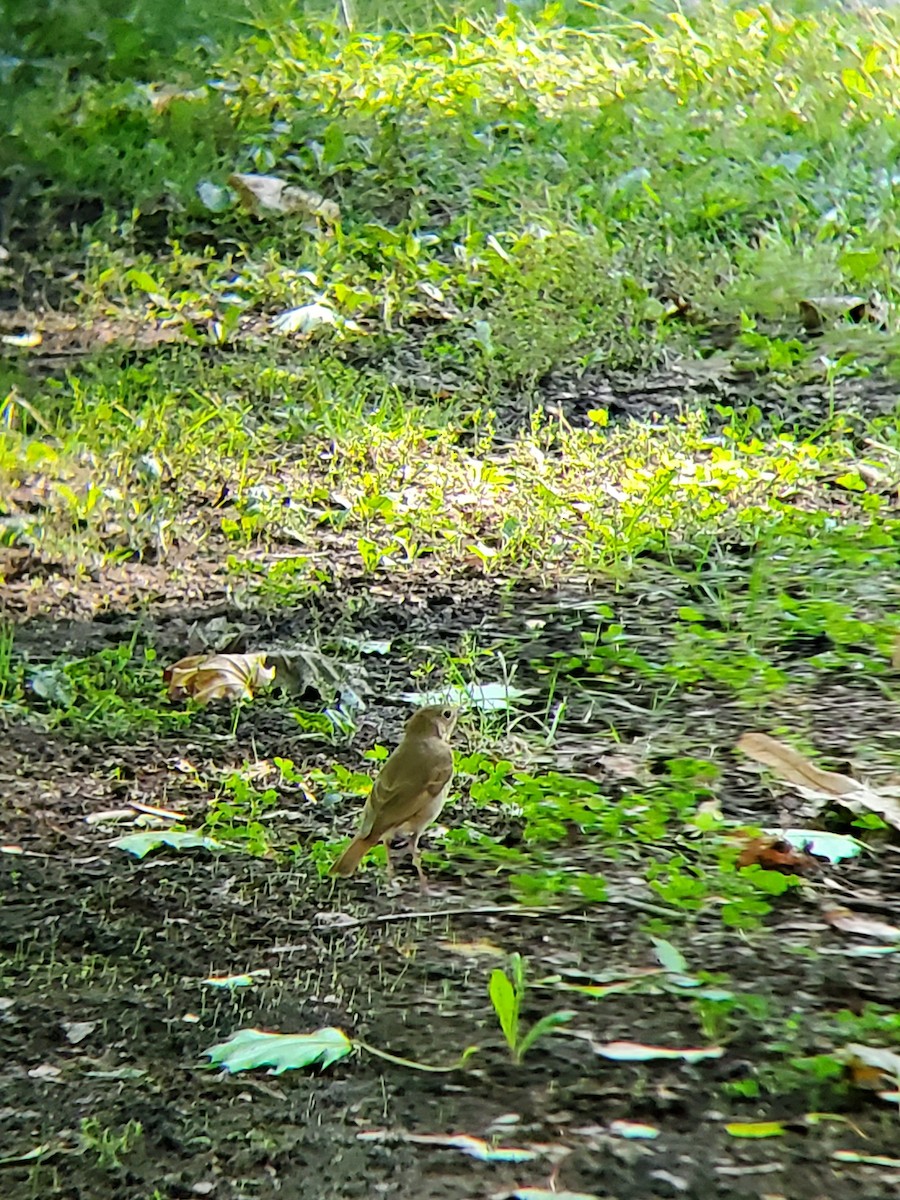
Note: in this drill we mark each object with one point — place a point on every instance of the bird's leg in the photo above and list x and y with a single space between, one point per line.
387 853
416 856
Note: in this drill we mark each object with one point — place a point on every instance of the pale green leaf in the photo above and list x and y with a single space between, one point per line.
140 844
488 696
872 1160
249 1048
670 958
833 846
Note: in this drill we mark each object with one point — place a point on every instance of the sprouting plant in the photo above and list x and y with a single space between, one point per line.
109 1145
507 993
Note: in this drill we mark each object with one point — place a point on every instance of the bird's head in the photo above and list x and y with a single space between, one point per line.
434 720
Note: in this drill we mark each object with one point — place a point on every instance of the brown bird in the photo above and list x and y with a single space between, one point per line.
410 789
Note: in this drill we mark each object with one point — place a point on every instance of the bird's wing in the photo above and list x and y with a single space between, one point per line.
401 790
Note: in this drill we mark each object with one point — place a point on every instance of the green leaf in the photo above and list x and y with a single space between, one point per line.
517 970
249 1048
670 958
334 145
213 196
143 281
540 1028
856 84
755 1129
506 1006
140 844
852 481
688 612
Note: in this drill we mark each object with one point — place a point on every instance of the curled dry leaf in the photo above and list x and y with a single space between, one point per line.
791 766
267 194
208 677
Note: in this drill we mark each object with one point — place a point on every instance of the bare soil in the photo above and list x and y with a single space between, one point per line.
104 1014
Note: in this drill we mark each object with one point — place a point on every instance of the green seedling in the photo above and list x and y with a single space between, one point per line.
507 993
109 1146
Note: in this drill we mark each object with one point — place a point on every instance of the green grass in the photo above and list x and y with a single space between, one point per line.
517 196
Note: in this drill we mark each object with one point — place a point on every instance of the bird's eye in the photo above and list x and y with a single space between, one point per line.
447 714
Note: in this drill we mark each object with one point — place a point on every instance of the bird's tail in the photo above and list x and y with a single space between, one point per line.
351 858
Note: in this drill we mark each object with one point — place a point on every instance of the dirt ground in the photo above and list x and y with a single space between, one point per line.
104 1015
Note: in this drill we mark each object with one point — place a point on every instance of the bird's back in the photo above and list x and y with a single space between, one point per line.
415 773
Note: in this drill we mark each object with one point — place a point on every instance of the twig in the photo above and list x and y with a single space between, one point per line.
512 910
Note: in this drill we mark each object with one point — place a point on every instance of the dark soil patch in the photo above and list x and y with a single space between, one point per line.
104 1013
123 948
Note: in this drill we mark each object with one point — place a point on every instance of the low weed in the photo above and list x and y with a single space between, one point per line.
113 693
237 816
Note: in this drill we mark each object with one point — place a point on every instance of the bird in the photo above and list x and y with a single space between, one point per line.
409 791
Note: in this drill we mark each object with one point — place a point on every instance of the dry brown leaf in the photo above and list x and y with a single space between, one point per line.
482 949
790 766
848 921
208 677
895 655
774 854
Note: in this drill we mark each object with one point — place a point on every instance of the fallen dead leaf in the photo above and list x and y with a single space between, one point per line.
207 677
774 854
791 767
639 1052
473 1146
77 1031
848 921
480 949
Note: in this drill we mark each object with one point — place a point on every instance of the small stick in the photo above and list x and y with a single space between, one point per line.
502 909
